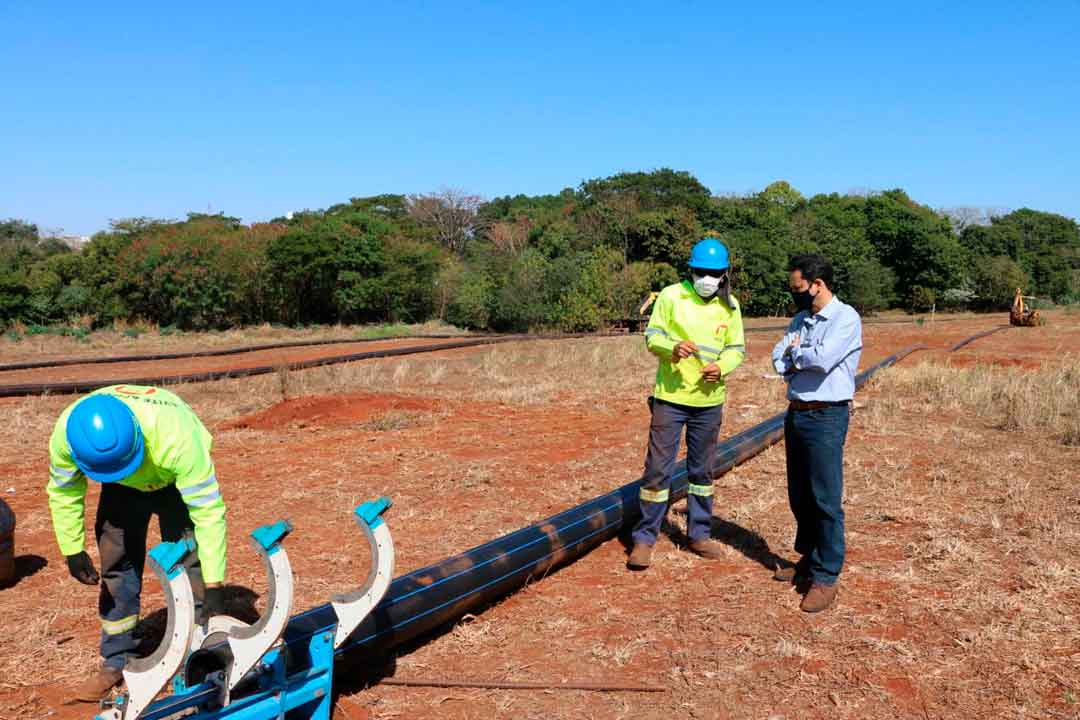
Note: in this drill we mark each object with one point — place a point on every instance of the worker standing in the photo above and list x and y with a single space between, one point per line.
696 331
817 357
151 454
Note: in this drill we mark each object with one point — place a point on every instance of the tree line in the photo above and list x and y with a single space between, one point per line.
576 260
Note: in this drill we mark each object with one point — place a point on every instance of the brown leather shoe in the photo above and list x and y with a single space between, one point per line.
794 574
95 687
640 557
819 597
708 549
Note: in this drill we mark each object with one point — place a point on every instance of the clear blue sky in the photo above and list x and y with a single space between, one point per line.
123 109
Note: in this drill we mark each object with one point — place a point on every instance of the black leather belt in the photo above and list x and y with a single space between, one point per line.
800 405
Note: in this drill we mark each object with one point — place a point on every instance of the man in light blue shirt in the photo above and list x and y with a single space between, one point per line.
817 356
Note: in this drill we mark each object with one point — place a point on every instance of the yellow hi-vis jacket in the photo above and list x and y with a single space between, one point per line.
177 452
714 326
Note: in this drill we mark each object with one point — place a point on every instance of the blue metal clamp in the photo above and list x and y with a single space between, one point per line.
371 512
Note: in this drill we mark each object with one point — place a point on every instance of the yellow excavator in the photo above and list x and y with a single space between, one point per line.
1021 316
647 303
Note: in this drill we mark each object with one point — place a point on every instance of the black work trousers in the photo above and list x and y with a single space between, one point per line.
123 519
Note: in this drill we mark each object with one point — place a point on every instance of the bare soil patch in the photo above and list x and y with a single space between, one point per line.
329 411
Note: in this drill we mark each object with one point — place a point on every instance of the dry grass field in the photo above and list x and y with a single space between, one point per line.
960 598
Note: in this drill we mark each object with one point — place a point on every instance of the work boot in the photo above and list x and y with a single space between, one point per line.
640 557
794 574
708 549
95 687
819 597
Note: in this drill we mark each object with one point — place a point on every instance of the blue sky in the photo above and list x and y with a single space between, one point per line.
256 109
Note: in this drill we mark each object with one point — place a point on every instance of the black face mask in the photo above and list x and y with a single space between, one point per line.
803 300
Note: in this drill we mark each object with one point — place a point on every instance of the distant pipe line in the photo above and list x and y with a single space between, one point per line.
973 338
71 387
152 357
216 353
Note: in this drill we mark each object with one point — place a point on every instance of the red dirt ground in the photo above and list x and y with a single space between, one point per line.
724 638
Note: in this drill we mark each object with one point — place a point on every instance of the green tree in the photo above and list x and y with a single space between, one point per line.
916 243
304 264
995 281
473 300
657 190
1045 245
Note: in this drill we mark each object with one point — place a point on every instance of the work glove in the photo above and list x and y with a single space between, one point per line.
214 602
82 569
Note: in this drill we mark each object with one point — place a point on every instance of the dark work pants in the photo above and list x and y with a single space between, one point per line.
123 518
814 441
702 428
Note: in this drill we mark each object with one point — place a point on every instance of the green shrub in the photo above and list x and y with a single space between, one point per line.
921 299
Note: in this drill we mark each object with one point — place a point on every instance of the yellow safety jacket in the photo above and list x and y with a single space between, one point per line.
714 326
177 453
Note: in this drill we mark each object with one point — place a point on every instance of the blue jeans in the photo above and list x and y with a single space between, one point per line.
814 441
665 431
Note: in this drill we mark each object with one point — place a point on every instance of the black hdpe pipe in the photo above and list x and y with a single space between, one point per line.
116 359
79 386
973 338
428 598
7 544
113 359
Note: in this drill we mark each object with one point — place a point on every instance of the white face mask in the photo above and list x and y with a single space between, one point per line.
706 286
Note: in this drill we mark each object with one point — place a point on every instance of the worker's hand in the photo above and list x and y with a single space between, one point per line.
794 344
82 569
683 350
214 602
711 373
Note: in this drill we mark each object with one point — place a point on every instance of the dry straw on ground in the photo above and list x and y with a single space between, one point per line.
1044 401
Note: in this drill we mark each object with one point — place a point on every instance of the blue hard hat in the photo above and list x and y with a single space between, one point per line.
709 254
105 438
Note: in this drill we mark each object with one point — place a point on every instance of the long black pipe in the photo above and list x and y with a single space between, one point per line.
976 336
110 359
425 599
152 357
80 386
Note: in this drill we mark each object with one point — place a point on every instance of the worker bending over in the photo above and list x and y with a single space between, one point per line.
696 330
151 455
